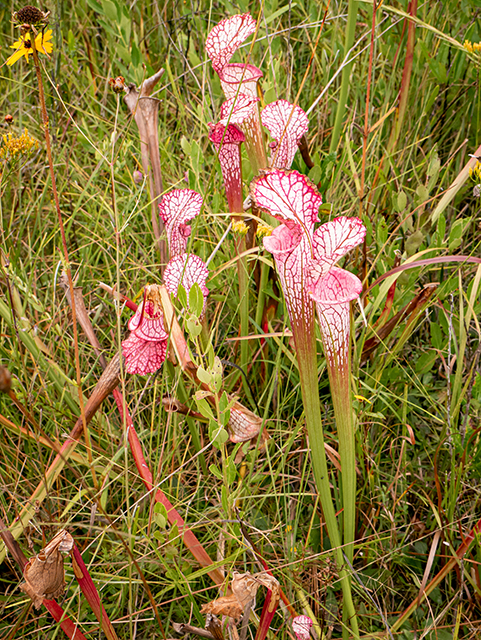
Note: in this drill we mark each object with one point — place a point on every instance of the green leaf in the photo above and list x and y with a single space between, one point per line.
279 12
437 336
193 326
401 201
109 10
215 471
315 174
204 376
96 6
231 471
457 232
425 362
196 300
224 499
414 241
135 55
182 296
217 434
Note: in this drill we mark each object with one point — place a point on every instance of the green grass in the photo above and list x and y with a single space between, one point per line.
418 396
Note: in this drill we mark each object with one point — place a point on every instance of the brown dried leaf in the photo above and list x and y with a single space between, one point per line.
224 606
244 590
243 424
44 573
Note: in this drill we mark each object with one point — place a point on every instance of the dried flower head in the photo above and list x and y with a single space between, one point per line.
117 84
30 17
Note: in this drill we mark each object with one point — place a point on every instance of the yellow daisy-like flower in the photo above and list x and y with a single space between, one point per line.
24 46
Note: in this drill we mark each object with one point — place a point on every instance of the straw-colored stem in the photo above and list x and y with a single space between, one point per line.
68 271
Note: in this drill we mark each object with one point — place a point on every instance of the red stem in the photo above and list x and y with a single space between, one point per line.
173 516
90 592
266 617
67 625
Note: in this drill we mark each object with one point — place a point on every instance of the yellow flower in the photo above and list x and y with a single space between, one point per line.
475 173
11 146
240 227
263 230
24 46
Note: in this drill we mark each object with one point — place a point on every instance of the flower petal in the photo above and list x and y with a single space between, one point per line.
301 626
176 208
17 55
226 37
240 78
147 324
332 241
143 357
287 124
186 270
42 43
237 109
289 196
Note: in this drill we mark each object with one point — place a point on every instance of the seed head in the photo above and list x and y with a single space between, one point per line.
30 17
117 84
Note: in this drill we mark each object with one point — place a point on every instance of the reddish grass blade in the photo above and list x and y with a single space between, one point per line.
174 517
91 594
266 616
66 624
421 263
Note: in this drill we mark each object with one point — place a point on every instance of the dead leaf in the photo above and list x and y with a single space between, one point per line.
44 573
244 590
224 606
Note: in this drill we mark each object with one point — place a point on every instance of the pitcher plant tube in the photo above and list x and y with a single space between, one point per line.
238 79
227 140
305 257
